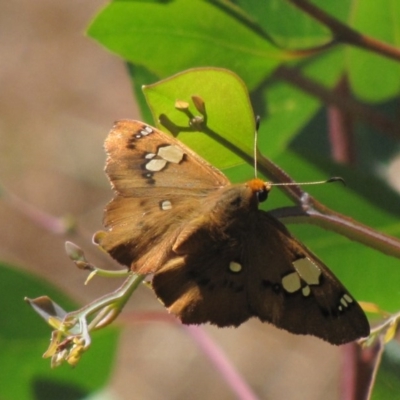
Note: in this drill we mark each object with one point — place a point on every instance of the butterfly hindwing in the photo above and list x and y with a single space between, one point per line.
258 270
304 296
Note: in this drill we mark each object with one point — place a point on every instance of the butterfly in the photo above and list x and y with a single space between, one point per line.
214 255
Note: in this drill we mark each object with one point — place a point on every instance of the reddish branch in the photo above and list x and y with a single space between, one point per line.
345 34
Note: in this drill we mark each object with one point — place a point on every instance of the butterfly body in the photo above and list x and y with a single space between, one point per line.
215 256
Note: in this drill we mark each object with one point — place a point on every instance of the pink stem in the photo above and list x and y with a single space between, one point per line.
214 353
348 375
221 362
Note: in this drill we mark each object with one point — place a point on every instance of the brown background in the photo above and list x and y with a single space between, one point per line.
60 94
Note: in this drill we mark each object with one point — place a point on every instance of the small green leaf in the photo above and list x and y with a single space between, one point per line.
229 111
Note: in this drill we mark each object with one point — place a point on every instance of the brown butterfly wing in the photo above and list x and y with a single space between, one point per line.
256 268
302 296
158 180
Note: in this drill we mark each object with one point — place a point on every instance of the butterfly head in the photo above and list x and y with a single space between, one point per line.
259 188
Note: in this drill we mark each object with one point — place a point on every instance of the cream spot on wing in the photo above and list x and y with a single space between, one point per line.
146 130
308 270
343 301
340 308
347 298
149 156
156 165
171 153
235 267
306 291
291 282
166 205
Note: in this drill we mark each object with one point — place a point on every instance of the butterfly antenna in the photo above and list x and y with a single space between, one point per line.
333 179
255 144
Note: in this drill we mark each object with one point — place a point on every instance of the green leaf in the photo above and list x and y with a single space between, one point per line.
141 76
229 111
373 77
289 26
168 37
24 337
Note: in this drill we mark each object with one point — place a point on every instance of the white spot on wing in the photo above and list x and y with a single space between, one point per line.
234 266
156 165
291 282
308 270
146 130
166 205
347 298
149 156
344 302
171 153
306 291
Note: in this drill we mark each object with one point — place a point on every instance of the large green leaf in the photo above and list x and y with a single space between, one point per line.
289 26
24 337
168 37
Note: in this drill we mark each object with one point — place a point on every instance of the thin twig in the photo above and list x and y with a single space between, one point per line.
58 226
345 34
323 217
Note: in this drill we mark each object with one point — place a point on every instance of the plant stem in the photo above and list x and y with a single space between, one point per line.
341 128
345 34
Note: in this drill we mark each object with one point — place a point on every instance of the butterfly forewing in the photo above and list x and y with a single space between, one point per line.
157 180
142 157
